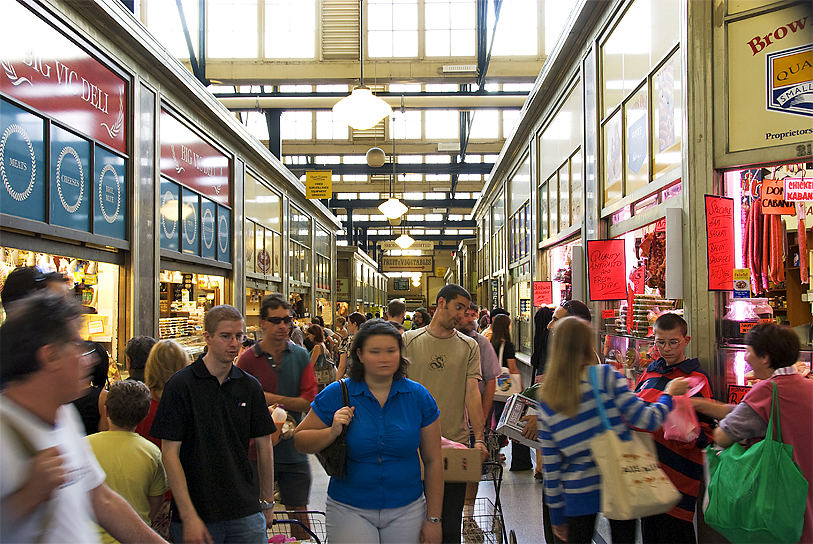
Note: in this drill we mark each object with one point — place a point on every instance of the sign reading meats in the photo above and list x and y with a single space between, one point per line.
47 71
188 159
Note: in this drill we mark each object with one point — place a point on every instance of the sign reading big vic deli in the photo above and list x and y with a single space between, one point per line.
44 69
189 160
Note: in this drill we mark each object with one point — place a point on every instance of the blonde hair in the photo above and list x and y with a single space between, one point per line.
166 358
571 350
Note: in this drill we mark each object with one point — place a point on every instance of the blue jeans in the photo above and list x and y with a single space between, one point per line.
249 530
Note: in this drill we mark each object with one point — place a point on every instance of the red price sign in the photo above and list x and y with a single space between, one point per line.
608 314
607 269
736 393
720 239
638 278
543 293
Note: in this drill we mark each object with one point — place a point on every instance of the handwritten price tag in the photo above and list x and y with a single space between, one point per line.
543 293
638 278
607 269
720 239
736 393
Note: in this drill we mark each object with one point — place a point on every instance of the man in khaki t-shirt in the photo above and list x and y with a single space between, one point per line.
447 363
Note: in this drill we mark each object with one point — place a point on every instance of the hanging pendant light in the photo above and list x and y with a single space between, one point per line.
392 208
361 110
404 241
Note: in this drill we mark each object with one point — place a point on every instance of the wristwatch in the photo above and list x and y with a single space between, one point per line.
433 520
265 505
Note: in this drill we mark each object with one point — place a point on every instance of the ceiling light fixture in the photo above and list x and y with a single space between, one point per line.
361 110
392 208
404 241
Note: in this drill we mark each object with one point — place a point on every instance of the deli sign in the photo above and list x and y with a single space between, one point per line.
44 69
191 161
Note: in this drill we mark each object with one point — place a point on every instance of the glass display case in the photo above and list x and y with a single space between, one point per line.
629 355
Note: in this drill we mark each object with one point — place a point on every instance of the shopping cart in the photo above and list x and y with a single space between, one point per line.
489 524
307 526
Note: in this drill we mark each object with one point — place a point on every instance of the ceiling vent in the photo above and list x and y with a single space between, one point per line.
459 69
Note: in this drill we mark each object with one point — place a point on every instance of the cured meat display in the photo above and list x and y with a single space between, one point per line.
764 247
653 251
804 265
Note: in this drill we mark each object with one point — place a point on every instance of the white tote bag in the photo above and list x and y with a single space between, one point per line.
507 385
632 482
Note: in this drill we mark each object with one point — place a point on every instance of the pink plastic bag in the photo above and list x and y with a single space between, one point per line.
681 423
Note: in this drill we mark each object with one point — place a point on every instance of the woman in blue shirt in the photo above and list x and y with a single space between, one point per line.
390 418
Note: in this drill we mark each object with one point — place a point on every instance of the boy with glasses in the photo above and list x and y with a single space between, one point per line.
208 413
682 462
288 379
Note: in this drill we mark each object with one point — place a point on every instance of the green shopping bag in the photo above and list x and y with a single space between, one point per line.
758 494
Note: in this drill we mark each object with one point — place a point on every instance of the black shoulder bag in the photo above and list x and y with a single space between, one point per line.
333 457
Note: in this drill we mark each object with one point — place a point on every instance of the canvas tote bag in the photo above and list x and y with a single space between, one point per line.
632 482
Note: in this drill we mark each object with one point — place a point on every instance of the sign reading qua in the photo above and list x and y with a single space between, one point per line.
790 80
43 68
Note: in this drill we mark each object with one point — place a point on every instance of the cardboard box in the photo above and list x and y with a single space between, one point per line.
510 425
461 465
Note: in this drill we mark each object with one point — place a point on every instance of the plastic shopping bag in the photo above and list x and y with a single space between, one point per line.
681 423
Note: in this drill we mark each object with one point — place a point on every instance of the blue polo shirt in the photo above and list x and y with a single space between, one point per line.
383 467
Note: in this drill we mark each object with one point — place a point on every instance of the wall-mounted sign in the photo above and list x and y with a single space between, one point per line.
424 245
110 206
208 229
70 184
607 269
543 293
318 184
223 234
742 283
22 163
720 239
440 272
169 211
770 73
401 284
342 289
772 197
191 161
46 70
736 393
190 222
409 264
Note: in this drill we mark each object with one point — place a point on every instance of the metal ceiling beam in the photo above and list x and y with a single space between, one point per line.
463 203
461 224
198 69
451 238
480 168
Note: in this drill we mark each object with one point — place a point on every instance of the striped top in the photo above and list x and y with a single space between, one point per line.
572 481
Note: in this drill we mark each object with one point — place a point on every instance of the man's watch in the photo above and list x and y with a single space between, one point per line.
433 520
265 505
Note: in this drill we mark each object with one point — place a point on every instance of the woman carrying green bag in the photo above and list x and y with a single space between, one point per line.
771 352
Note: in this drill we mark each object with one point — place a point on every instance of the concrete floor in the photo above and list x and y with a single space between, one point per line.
520 495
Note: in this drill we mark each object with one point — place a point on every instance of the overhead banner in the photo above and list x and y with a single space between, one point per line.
409 264
318 184
423 245
191 161
770 79
46 70
543 293
720 240
606 269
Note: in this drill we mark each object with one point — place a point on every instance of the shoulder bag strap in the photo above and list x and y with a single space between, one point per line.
345 402
592 371
499 355
774 410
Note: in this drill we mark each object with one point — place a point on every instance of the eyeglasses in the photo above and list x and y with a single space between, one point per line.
84 348
277 320
227 337
671 343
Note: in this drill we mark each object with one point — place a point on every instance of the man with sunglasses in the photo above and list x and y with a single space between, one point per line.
288 379
52 489
208 413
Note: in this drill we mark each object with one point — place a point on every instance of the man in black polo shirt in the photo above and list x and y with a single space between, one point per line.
208 413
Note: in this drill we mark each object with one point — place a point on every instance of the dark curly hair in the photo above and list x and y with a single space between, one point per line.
374 327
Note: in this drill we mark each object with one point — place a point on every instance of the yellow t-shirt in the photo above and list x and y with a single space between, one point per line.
134 470
443 365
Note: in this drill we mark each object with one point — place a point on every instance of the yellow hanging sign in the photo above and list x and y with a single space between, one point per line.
319 184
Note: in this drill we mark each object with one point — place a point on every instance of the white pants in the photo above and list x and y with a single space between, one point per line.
350 525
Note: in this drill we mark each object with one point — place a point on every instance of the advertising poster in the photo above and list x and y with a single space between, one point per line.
70 180
720 240
606 269
169 211
770 85
110 210
22 163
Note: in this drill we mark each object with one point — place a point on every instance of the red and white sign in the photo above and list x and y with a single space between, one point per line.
720 242
606 269
263 261
798 189
543 293
46 70
189 160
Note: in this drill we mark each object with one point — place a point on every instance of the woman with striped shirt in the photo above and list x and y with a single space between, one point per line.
569 421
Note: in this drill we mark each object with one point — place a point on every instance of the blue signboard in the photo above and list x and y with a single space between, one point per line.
70 180
208 229
110 206
190 222
223 234
169 211
22 163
